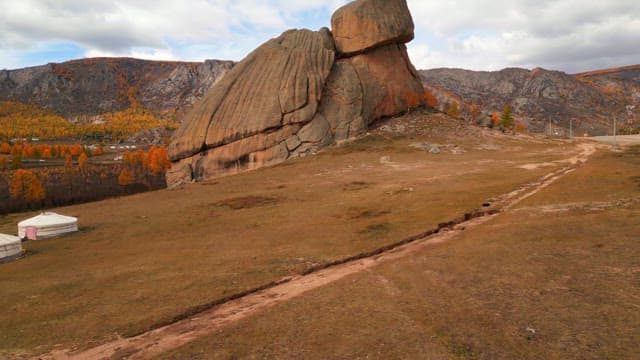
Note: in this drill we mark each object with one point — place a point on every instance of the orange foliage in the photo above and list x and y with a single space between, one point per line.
453 110
412 98
76 150
46 151
124 123
19 120
140 164
127 177
158 160
25 185
474 111
68 162
495 118
521 127
82 161
4 163
610 90
430 99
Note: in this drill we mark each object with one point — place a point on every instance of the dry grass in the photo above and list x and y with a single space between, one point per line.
143 260
247 202
547 280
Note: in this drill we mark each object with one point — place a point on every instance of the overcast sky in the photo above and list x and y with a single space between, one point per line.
567 35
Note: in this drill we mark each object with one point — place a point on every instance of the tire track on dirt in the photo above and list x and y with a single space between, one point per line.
211 317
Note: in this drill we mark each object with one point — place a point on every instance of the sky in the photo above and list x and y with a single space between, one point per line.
566 35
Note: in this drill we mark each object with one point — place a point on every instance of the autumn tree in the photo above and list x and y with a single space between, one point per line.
16 161
76 150
521 127
46 152
82 161
25 185
83 166
22 121
27 151
4 163
495 119
68 162
453 110
412 98
430 99
506 120
474 111
126 177
158 161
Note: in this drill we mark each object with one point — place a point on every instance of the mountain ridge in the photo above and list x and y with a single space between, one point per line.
542 98
81 89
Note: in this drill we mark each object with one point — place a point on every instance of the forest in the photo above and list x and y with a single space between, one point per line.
34 177
24 121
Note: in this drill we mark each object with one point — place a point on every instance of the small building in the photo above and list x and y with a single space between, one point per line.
10 247
47 225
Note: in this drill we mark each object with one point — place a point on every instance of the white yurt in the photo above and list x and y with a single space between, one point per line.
47 225
10 247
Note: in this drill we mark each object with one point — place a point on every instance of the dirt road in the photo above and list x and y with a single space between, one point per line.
622 140
182 332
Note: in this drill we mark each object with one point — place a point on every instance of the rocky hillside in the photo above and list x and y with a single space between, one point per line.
85 88
82 89
541 97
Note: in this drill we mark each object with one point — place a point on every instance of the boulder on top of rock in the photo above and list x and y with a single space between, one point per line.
366 24
280 83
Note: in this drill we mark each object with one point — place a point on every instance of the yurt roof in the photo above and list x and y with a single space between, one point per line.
48 218
8 239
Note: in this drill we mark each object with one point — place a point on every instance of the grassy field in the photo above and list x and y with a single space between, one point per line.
557 277
145 260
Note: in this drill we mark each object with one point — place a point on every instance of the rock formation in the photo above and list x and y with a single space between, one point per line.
299 92
364 25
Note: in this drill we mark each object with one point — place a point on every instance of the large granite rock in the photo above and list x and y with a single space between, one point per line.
291 97
366 24
388 81
280 83
367 87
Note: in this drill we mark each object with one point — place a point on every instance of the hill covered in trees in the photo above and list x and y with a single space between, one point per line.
90 90
542 98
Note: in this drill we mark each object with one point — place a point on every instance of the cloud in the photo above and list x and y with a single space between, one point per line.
569 35
151 29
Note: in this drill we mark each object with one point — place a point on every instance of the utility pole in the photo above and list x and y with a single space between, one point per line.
571 128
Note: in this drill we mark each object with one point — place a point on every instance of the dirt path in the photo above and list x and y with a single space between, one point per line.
182 332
